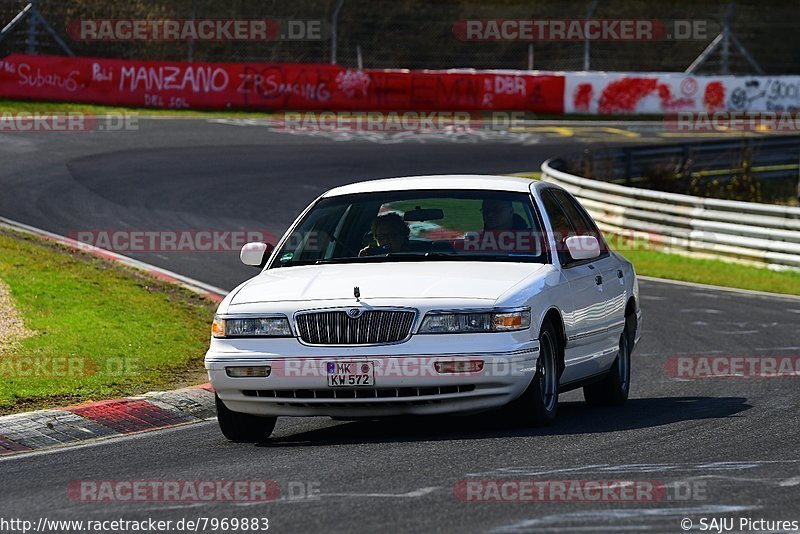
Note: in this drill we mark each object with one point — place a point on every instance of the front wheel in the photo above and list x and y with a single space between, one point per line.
613 389
538 405
243 427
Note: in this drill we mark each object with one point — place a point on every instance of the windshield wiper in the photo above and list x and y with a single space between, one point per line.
415 256
455 256
391 256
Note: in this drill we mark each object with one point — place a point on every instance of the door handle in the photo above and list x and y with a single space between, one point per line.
598 280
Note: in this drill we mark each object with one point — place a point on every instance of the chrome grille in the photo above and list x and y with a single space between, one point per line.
337 328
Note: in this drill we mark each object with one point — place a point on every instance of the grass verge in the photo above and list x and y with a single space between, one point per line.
102 330
656 263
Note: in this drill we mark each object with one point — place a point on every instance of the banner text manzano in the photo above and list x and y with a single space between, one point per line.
175 84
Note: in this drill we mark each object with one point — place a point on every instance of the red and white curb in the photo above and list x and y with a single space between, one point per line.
45 429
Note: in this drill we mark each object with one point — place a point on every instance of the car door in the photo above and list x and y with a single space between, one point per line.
585 318
613 282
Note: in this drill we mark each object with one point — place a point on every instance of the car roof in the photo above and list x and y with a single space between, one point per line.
437 181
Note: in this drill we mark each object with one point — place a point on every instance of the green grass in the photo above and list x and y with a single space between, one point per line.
661 264
122 331
533 175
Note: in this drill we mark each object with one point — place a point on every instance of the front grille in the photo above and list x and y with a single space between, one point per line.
337 328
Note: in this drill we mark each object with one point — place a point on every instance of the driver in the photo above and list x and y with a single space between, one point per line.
390 234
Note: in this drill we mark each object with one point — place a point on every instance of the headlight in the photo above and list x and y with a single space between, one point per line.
456 323
251 327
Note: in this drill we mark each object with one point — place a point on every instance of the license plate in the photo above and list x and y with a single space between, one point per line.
351 374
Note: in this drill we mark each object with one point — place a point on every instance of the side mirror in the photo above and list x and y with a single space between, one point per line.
583 247
256 254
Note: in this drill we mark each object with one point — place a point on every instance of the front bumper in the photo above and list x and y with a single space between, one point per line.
405 384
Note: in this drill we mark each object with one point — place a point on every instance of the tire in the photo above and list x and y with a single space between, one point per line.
539 404
614 388
243 427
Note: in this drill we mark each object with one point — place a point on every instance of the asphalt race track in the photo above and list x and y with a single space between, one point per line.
725 447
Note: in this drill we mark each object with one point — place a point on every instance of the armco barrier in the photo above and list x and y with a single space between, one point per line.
756 233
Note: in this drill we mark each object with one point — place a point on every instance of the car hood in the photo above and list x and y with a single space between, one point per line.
463 279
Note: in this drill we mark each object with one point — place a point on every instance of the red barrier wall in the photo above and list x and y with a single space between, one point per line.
173 84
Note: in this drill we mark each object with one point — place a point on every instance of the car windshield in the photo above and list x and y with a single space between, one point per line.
416 226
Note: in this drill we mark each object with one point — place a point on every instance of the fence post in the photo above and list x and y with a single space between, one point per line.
191 40
334 30
586 59
530 56
33 18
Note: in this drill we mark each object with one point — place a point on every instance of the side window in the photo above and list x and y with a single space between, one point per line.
580 219
582 226
562 228
314 239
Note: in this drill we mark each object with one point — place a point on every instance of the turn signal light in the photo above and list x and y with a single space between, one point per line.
459 366
218 327
248 372
508 321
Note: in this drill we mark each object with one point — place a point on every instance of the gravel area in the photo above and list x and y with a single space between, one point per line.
12 329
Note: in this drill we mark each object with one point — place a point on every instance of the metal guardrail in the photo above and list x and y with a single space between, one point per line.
764 234
768 159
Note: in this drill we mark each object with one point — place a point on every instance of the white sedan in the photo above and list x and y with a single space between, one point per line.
426 295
